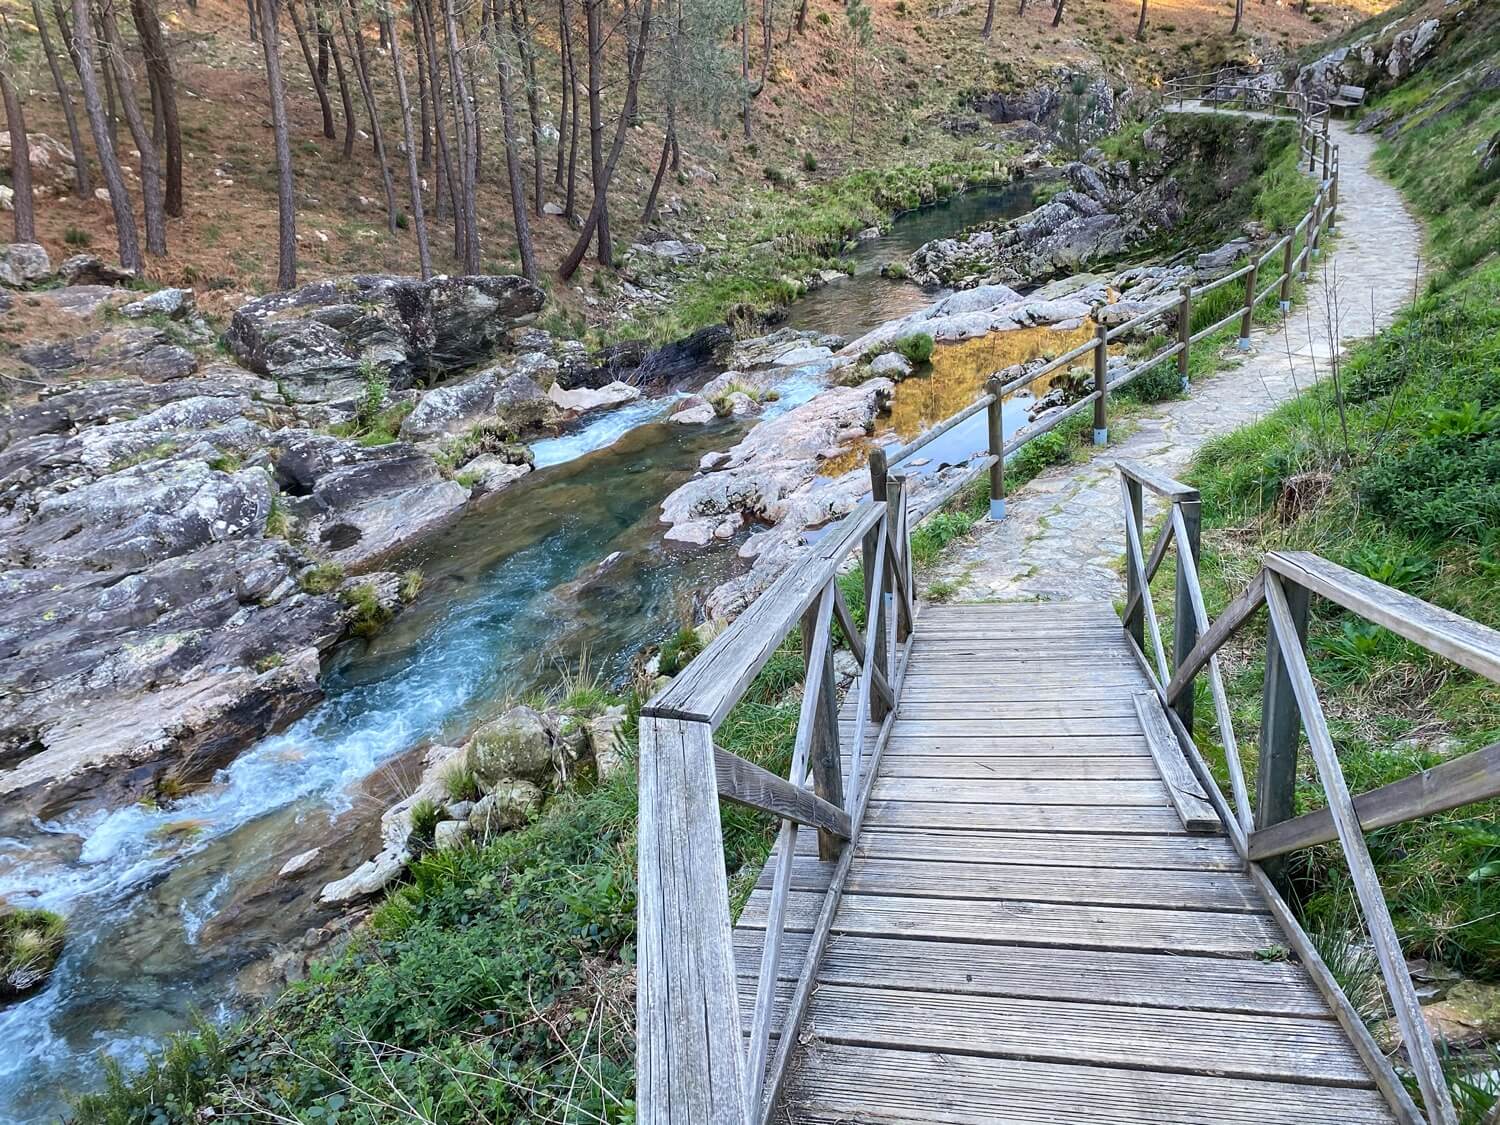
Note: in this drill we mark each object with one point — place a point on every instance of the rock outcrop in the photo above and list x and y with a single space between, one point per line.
321 340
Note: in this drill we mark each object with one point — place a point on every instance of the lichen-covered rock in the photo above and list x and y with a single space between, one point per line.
890 365
511 803
24 263
517 744
89 269
604 740
369 878
171 302
318 339
508 396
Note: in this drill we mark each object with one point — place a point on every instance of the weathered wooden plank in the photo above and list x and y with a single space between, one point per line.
1157 482
1105 794
1006 711
1465 642
1183 788
1018 922
745 783
842 1084
690 1065
1055 849
1225 626
1151 980
1160 821
1289 1048
931 688
1448 785
998 878
1035 768
1033 727
1377 915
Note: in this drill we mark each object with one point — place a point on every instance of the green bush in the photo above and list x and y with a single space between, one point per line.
1438 486
916 347
678 650
1157 385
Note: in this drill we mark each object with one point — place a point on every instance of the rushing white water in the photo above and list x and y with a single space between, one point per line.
600 432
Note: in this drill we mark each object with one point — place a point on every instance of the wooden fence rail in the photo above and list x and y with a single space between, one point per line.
1290 710
694 1064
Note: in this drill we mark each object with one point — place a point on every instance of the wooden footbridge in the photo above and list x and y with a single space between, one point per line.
1007 887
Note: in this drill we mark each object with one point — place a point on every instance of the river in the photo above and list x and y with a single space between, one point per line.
169 911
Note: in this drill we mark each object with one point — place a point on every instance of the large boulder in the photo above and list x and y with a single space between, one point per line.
508 396
324 339
517 744
24 263
360 503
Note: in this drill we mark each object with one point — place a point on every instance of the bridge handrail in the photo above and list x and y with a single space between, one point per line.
693 1064
1290 706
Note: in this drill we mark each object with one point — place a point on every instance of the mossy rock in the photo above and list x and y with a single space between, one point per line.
512 803
31 941
516 745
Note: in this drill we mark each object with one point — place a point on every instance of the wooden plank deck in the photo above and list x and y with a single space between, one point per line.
1028 933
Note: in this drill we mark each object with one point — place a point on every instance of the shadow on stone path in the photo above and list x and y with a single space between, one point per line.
1063 536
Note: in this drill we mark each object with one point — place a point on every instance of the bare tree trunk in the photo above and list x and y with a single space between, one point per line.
1023 7
469 153
1239 15
571 205
508 133
989 20
81 185
20 150
446 189
520 21
320 88
286 201
250 6
151 188
413 176
109 164
377 135
801 19
765 43
598 213
109 83
745 66
159 66
565 88
424 93
1057 13
1140 27
592 12
669 147
346 99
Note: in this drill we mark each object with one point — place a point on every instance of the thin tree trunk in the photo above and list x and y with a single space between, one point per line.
745 66
765 42
424 93
346 99
469 155
1140 26
565 87
323 38
151 186
320 88
446 189
159 66
508 134
570 207
801 19
594 22
270 38
989 20
669 141
1023 7
109 164
1239 15
598 213
648 213
109 84
414 177
81 185
377 135
20 152
250 6
1057 13
520 21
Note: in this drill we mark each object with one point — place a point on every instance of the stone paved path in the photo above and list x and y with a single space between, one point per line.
1063 535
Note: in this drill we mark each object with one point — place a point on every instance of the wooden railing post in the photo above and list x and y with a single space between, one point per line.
900 543
823 750
1101 385
1135 620
1309 239
1184 332
994 415
1286 271
690 1054
1184 620
1249 313
1280 724
869 548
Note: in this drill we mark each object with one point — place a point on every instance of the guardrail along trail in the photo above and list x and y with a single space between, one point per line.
1006 887
1057 540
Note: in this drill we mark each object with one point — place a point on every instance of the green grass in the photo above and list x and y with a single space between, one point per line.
30 941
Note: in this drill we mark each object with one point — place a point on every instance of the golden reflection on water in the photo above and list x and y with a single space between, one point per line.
956 379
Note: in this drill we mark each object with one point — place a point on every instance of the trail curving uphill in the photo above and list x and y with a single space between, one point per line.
1061 537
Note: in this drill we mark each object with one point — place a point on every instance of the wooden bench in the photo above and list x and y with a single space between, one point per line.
1348 98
